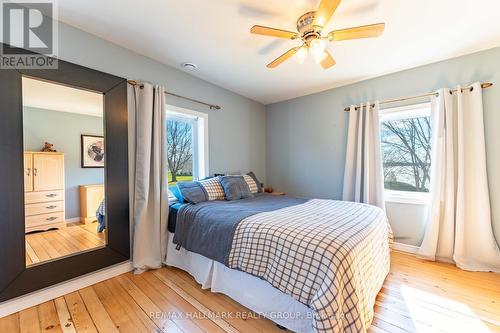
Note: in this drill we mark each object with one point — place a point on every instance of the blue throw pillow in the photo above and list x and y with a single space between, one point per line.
235 187
192 192
177 193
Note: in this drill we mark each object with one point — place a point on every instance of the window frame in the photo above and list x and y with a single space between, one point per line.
200 149
399 113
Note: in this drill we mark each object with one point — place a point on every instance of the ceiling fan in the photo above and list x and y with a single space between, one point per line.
310 26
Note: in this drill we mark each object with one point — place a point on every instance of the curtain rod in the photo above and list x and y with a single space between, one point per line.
483 85
211 106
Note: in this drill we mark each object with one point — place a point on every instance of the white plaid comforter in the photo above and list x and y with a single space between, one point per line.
330 255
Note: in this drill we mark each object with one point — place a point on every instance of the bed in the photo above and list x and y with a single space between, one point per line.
100 214
310 265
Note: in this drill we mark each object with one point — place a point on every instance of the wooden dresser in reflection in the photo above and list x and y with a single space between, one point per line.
43 191
90 198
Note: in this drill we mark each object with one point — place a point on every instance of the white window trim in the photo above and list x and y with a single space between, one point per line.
406 112
202 122
407 197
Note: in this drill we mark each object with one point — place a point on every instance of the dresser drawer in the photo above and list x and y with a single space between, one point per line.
44 208
44 196
43 219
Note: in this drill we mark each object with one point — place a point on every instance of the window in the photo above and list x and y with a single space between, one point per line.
187 145
406 152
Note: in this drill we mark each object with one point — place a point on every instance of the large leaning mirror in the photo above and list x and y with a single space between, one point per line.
64 160
64 203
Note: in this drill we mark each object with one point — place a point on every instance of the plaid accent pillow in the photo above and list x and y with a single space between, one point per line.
251 184
259 184
214 188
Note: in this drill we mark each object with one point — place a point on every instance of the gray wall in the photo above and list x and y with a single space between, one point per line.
306 136
237 133
63 130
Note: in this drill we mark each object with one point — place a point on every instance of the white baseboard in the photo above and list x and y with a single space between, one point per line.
412 249
73 220
63 288
405 248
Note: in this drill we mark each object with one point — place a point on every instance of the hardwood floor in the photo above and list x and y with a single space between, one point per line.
52 244
417 296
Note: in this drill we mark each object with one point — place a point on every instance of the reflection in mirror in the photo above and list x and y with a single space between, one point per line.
64 170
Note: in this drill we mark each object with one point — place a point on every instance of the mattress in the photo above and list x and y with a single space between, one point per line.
172 216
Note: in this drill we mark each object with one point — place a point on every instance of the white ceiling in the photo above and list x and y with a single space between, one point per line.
214 34
56 97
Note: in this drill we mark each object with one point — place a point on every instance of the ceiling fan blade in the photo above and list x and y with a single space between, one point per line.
267 31
282 58
365 31
328 61
325 11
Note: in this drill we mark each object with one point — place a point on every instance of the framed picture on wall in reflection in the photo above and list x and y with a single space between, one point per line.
92 151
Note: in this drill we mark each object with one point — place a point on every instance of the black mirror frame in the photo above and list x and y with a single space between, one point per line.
15 278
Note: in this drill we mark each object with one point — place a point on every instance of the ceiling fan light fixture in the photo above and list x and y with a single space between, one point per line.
301 55
317 47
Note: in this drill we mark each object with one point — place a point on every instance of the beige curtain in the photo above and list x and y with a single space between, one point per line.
147 167
459 225
363 177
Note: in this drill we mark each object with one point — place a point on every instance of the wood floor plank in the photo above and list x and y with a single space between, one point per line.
77 239
396 302
48 246
85 237
65 319
63 236
166 305
49 321
33 258
435 267
129 305
79 314
187 308
59 245
81 246
92 228
29 321
124 321
28 260
98 313
375 329
162 275
482 301
10 323
381 323
447 281
36 245
148 306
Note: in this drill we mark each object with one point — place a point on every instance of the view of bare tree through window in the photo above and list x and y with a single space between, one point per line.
406 154
179 150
